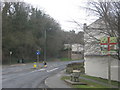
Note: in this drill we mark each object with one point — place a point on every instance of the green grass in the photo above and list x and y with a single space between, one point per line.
89 83
101 80
65 77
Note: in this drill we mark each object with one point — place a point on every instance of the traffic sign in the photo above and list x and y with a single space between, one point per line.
108 45
38 52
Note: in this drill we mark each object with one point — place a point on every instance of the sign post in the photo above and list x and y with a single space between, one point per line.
108 46
38 53
10 57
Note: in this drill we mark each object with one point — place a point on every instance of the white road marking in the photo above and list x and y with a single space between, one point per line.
52 70
39 70
17 64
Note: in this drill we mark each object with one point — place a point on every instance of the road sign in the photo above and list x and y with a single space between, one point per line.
108 45
38 52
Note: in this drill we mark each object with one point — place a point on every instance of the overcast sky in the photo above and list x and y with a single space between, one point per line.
64 11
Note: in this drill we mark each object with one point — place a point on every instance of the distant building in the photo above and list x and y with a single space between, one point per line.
74 51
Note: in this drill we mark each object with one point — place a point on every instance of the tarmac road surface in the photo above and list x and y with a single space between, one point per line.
24 76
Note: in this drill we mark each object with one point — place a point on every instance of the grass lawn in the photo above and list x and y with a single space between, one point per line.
89 83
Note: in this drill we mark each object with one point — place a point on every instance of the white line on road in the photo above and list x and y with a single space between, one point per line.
39 70
52 70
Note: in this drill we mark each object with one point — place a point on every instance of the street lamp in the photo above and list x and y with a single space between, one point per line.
45 35
10 56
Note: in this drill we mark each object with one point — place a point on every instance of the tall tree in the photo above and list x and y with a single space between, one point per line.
23 32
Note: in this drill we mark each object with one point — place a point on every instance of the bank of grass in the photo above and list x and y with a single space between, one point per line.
68 59
89 83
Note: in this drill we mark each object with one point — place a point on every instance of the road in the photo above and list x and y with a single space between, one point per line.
24 76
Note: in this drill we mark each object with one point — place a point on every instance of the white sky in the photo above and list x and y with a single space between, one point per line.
65 11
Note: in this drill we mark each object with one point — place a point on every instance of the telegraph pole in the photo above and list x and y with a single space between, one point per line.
45 45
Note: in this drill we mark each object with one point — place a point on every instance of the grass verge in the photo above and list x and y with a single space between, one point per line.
116 83
89 83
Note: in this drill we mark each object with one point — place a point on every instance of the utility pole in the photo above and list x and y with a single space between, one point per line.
45 44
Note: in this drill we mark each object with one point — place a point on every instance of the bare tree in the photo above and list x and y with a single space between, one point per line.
110 13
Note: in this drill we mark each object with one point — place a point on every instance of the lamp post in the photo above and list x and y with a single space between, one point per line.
10 56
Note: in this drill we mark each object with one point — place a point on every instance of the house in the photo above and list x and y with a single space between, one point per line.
73 51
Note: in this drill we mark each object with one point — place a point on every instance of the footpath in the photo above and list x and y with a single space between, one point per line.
56 82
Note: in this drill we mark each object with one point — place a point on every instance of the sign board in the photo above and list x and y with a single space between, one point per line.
108 45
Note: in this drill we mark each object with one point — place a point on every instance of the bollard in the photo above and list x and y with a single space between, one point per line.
45 65
35 65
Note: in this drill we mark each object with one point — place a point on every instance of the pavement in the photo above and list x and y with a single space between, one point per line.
24 76
56 82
